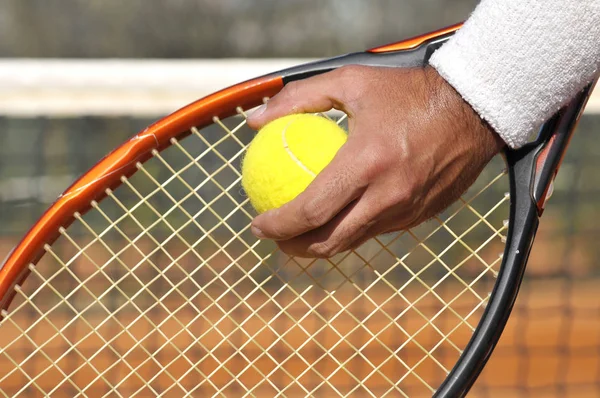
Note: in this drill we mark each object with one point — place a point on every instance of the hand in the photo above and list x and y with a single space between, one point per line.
414 147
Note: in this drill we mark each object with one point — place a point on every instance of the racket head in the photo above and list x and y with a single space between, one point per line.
224 112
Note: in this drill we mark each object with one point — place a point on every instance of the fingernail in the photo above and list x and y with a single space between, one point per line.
257 232
258 111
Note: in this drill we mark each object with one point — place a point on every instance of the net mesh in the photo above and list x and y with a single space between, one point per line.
161 289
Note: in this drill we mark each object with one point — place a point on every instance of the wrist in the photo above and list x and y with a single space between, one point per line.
469 126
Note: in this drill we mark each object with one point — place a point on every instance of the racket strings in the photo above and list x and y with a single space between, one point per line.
82 284
180 299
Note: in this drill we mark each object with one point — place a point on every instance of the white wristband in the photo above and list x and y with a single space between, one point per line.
518 61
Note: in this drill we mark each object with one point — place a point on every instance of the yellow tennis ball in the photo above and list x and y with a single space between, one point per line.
286 155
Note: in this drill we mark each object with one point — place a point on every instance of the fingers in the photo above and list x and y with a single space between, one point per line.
372 214
316 94
361 221
338 235
333 189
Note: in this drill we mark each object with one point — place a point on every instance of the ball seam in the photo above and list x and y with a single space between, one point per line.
291 153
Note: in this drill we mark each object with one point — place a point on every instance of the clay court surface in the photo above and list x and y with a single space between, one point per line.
550 348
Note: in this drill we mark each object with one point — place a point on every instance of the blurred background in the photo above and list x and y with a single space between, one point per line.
78 77
214 28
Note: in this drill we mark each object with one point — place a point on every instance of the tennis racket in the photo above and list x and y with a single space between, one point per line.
143 278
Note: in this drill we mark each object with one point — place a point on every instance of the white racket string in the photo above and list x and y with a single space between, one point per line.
161 289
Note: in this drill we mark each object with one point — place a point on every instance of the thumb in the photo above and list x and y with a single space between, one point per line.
315 94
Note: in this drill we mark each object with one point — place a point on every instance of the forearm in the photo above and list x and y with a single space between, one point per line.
518 61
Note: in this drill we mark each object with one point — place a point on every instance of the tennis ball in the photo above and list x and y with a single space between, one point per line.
286 155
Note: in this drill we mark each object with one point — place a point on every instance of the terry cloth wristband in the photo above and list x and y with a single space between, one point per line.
516 62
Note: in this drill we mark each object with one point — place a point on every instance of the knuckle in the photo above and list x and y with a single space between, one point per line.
372 161
323 250
290 90
352 82
405 195
350 72
313 215
275 232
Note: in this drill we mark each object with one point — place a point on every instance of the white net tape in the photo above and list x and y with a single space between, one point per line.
161 289
73 87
